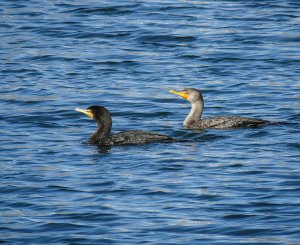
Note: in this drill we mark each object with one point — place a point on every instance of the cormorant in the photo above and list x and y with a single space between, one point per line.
102 136
194 121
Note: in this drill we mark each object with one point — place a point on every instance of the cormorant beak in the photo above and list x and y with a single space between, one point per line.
183 94
86 112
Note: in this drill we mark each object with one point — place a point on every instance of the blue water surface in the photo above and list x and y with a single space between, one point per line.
220 187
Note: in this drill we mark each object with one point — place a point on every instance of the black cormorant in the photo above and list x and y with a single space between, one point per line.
102 136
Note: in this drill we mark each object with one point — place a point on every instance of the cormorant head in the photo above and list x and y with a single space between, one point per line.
98 113
190 94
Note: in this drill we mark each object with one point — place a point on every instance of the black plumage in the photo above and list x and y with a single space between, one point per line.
102 136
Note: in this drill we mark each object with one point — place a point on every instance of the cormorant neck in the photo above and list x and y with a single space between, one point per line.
195 113
103 131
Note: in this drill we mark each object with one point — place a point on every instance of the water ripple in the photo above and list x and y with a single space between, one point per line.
214 187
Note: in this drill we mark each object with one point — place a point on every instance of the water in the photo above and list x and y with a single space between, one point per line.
223 187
